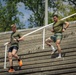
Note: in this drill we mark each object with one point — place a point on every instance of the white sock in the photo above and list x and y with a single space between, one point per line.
59 55
53 48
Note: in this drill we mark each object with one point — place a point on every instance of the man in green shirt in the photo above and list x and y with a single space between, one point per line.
58 28
14 46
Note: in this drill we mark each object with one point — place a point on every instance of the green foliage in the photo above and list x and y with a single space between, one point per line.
8 15
37 7
72 10
73 18
62 8
72 2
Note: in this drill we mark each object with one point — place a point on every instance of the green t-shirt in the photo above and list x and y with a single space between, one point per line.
58 26
15 35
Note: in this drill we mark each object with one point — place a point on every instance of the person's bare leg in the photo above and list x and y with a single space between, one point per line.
48 42
14 53
59 48
10 58
10 62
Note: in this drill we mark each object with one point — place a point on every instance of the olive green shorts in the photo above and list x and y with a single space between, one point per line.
57 36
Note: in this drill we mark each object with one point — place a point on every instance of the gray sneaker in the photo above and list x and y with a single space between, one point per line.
52 47
52 52
58 57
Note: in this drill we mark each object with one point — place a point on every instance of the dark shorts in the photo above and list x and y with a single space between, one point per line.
57 36
13 47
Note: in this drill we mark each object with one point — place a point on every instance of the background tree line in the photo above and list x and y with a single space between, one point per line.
9 12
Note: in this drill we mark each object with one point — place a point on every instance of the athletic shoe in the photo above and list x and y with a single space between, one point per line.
20 63
53 48
11 70
58 57
52 52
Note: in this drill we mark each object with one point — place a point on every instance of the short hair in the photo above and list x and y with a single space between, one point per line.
55 15
13 25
